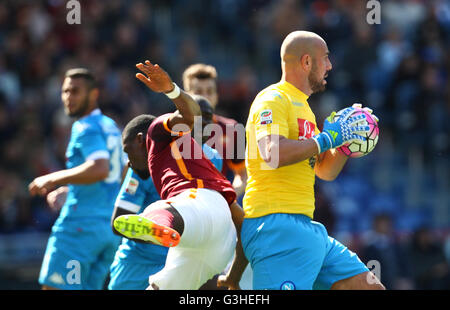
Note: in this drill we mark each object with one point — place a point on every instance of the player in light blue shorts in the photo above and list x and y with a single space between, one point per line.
134 262
81 246
320 259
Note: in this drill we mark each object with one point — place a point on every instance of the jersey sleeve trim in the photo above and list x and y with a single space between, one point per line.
173 133
98 155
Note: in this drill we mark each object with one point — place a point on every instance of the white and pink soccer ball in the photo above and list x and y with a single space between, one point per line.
355 149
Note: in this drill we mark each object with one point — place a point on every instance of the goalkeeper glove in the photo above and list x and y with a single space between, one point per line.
368 110
344 130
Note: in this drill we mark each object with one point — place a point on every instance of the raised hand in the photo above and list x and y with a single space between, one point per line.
154 77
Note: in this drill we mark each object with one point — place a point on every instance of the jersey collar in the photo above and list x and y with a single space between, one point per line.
294 90
96 111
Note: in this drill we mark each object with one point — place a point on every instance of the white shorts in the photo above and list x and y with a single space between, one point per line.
206 245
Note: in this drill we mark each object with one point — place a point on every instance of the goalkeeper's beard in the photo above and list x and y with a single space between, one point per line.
315 83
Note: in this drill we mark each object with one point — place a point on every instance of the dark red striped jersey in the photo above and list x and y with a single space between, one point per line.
176 163
228 144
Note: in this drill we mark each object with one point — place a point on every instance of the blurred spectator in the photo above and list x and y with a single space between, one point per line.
324 212
430 269
380 245
447 249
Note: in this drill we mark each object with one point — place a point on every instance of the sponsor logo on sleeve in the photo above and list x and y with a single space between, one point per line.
266 117
132 186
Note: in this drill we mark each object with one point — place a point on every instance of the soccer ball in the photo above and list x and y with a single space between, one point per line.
354 149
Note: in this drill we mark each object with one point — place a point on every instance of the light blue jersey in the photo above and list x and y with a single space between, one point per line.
213 156
94 136
82 245
135 262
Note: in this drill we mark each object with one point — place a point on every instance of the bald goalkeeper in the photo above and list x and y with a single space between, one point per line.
285 152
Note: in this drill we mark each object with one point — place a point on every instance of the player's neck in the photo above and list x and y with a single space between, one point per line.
303 87
88 111
299 82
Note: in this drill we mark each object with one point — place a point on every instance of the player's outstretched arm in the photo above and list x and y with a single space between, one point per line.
88 172
155 78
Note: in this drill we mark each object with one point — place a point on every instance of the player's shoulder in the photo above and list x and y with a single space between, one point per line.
96 123
160 120
272 93
85 126
210 152
158 131
270 98
108 125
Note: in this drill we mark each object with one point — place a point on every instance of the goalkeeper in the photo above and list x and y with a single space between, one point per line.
285 151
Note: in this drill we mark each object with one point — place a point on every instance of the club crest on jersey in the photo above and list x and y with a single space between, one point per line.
287 286
266 117
132 186
306 129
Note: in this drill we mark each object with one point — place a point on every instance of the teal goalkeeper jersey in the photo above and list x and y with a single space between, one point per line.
93 137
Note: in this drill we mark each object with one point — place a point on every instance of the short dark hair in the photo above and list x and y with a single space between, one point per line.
138 124
198 71
82 73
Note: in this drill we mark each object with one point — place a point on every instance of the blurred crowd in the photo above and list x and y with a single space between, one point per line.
391 206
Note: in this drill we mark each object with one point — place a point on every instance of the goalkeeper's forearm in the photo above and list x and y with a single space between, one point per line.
278 151
330 164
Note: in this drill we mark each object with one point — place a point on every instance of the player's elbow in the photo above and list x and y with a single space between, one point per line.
269 152
100 169
326 176
272 162
103 173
